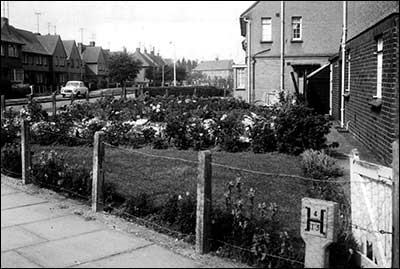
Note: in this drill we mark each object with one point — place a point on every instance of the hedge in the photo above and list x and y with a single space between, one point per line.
201 91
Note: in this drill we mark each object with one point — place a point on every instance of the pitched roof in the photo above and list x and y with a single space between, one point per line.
9 33
137 55
32 44
149 57
49 42
68 45
91 54
214 65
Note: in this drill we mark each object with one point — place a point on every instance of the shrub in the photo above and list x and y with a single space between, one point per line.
10 130
51 171
318 165
11 160
298 128
140 206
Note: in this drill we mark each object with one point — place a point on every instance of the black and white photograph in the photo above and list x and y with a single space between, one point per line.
199 134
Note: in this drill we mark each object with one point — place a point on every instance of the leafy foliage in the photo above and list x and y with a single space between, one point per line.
11 159
123 67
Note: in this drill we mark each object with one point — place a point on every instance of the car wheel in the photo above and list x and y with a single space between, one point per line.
63 95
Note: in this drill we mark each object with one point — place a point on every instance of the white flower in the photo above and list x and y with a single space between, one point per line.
180 197
244 139
224 117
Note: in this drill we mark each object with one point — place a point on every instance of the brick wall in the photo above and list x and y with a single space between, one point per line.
377 129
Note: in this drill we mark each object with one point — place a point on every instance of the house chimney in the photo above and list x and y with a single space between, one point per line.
4 20
138 49
92 43
152 52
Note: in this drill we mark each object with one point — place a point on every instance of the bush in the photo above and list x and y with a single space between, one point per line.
51 171
10 130
11 160
318 165
298 128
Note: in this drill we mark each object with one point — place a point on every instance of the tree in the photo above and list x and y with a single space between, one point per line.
123 67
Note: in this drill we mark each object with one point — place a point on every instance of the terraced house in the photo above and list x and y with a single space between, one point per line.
96 67
74 62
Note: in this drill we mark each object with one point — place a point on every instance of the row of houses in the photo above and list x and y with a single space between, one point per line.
298 46
47 62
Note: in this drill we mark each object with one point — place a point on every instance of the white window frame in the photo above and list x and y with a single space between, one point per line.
3 53
379 67
266 29
240 83
300 24
348 71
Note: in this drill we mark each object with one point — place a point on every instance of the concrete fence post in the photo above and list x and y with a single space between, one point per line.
101 94
395 206
98 173
54 104
87 96
72 98
203 212
3 106
319 229
25 152
195 92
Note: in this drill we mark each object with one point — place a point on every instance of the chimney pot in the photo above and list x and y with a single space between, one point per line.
4 20
92 43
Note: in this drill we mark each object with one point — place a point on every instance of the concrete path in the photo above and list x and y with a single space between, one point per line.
41 232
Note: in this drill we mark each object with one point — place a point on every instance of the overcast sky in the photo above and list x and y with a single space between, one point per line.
200 30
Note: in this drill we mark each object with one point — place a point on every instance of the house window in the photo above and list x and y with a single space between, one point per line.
72 63
57 61
62 62
18 75
266 24
12 51
348 71
240 83
379 44
296 26
31 60
25 59
2 50
37 60
39 78
45 60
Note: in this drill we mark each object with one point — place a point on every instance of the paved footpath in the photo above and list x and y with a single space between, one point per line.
41 232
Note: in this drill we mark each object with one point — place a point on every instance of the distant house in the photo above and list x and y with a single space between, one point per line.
218 73
370 99
58 61
75 66
96 66
312 32
147 63
11 53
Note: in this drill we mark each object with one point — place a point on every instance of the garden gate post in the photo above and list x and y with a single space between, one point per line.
395 206
25 152
54 104
203 212
72 98
318 228
98 173
87 96
3 106
101 94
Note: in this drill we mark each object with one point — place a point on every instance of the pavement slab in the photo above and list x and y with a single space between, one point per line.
82 248
7 189
26 214
16 237
19 199
63 227
148 257
12 259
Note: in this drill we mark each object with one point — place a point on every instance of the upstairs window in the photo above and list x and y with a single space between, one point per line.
44 60
12 51
296 28
266 25
379 52
2 50
240 76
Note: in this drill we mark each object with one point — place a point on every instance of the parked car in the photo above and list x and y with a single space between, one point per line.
75 88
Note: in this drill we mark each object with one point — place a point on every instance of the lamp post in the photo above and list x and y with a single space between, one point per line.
174 62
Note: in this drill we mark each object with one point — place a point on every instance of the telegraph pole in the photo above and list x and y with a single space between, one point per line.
48 27
81 29
55 29
38 13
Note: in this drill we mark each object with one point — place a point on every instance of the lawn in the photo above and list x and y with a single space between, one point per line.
133 173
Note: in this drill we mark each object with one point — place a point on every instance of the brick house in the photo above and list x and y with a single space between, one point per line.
218 73
74 62
371 91
312 31
96 65
11 54
58 62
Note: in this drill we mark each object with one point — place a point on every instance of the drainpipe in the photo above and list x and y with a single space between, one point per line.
344 32
330 88
248 21
282 45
